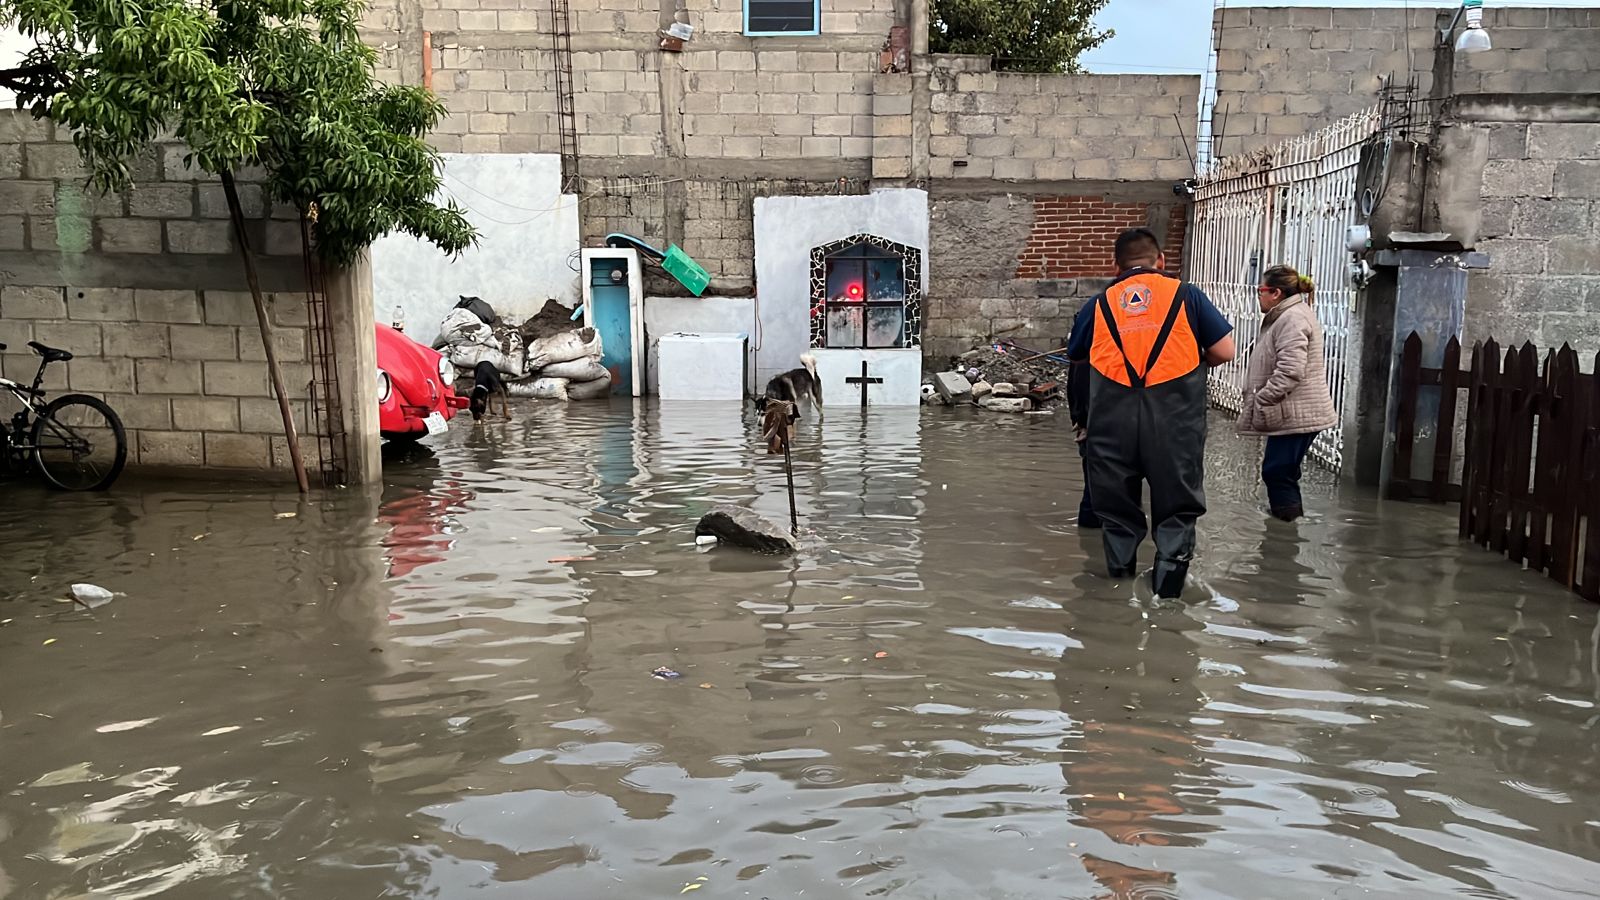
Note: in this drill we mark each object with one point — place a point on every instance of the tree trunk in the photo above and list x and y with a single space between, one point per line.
236 212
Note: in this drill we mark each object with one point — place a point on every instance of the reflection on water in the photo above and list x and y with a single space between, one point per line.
443 688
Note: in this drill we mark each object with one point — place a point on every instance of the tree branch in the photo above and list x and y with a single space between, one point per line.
32 79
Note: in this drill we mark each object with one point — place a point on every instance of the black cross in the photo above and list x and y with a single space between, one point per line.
863 381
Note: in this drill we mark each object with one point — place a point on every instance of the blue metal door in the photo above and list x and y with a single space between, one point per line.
611 314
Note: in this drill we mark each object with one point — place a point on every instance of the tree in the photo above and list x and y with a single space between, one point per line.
283 86
1021 35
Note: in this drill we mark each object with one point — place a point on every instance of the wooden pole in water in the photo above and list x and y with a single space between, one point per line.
788 469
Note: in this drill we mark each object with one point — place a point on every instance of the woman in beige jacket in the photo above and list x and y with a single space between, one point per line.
1286 396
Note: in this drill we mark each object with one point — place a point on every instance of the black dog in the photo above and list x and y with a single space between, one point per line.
797 386
486 383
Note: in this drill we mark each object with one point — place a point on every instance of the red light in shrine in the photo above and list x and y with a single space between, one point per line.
854 292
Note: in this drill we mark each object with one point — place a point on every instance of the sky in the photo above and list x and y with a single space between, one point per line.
1180 30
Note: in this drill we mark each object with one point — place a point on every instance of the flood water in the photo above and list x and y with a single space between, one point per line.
444 688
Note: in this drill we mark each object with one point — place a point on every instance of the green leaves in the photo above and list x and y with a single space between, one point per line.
285 86
1021 35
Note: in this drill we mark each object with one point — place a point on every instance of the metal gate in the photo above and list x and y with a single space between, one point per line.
1289 204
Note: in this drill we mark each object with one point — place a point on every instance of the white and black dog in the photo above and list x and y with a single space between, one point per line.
797 386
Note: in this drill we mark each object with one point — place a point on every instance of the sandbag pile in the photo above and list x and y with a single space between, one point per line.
537 361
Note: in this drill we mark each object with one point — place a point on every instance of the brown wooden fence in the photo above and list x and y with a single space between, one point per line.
1529 486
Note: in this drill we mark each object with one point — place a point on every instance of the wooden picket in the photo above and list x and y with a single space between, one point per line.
1529 486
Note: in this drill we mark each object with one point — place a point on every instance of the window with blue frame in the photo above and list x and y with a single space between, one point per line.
782 17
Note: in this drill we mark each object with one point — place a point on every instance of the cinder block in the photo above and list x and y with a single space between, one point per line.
834 126
736 61
237 451
1577 178
1576 255
1014 169
205 413
140 412
855 147
32 303
45 162
164 376
103 375
236 379
777 61
824 147
819 61
290 344
636 145
10 161
166 448
13 235
81 338
163 201
1518 178
992 147
262 416
214 201
1540 218
795 126
742 147
227 308
182 307
892 126
201 342
137 341
780 147
36 198
199 237
63 234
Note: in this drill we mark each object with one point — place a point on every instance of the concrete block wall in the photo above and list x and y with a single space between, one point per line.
1541 230
1282 72
1018 127
146 289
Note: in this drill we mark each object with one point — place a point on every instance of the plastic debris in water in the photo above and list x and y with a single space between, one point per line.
665 674
49 641
702 540
880 654
91 593
287 515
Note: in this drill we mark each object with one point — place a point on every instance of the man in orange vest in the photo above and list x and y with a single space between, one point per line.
1146 342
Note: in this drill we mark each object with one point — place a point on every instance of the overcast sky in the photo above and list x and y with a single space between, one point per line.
1175 35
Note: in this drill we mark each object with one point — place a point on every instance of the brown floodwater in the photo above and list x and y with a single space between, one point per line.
443 688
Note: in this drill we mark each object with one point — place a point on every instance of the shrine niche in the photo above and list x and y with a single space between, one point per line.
866 294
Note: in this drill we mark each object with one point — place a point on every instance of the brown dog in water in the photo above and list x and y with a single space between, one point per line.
777 424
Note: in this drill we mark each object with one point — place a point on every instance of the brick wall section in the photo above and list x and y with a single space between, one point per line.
1282 72
1072 236
146 290
1541 229
1017 127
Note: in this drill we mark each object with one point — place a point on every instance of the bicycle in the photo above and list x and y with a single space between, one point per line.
76 442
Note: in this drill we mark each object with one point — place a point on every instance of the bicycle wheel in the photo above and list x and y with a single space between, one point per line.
79 444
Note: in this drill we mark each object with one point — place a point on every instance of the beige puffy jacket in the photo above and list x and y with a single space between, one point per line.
1286 384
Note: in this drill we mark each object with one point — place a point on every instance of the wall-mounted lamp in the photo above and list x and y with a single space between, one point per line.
1473 39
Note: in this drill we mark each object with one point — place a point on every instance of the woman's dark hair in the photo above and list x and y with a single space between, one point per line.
1289 281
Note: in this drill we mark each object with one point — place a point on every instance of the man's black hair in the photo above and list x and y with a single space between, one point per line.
1135 246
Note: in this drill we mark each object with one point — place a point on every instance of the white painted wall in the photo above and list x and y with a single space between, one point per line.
786 228
12 46
527 230
901 371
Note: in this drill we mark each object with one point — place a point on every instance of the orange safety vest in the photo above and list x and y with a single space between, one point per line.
1142 337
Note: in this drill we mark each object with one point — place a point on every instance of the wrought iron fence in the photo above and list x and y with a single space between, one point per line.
1289 204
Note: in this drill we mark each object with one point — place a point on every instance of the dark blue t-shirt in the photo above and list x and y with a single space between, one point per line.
1209 324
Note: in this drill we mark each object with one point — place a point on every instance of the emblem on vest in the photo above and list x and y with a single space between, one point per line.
1135 300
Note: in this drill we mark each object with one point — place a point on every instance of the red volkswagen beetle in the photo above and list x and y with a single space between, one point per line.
416 388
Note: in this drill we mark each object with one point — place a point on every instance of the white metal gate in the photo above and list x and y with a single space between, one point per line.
1289 204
